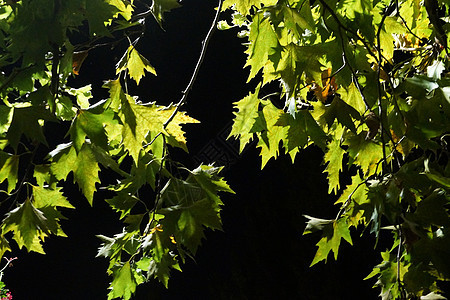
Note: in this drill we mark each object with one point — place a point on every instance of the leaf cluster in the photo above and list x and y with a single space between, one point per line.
165 207
368 83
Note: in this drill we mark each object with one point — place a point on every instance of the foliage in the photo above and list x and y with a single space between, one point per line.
165 207
365 81
368 82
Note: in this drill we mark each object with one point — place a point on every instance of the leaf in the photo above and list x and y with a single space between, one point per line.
98 14
333 159
83 94
124 282
315 224
297 60
123 203
366 153
92 125
262 39
26 122
270 139
245 118
159 7
47 200
126 10
331 239
6 116
435 70
151 119
9 166
244 6
135 63
352 97
341 111
83 165
29 225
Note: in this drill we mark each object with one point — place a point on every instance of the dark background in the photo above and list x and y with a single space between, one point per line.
261 254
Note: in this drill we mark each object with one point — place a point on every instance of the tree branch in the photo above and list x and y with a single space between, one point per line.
198 65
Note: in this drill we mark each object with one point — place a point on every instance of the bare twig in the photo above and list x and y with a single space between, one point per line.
197 67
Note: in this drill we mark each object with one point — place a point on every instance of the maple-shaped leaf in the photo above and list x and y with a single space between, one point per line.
159 7
302 130
262 39
124 283
245 118
352 97
333 159
9 166
365 153
192 204
135 63
125 8
296 60
333 232
98 14
176 136
123 202
6 116
4 245
91 123
244 6
294 20
26 121
270 138
83 164
29 225
47 201
83 94
341 111
151 119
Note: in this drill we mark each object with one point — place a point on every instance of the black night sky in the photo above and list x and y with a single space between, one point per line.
261 254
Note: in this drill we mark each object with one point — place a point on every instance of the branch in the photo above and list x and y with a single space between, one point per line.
197 67
380 107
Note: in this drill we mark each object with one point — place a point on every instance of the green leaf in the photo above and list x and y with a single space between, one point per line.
124 282
135 63
29 225
333 159
245 118
91 124
365 153
269 140
331 239
352 97
262 39
98 14
151 119
6 116
26 122
83 94
123 203
47 200
83 165
315 224
159 7
244 6
298 60
9 166
343 112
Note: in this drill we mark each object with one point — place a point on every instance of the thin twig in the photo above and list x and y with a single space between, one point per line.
380 107
197 67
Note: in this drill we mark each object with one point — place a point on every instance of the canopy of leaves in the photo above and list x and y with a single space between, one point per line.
121 136
367 82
